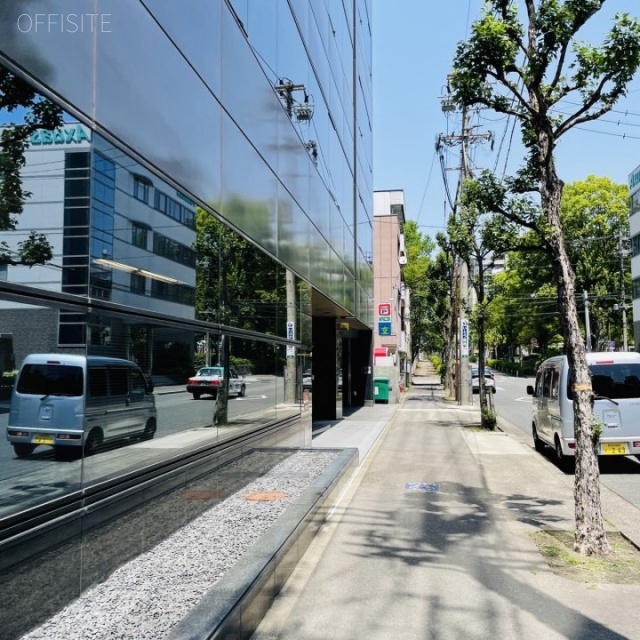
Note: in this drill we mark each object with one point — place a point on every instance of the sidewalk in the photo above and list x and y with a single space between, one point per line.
430 540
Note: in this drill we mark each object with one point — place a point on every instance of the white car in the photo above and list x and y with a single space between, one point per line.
209 379
489 381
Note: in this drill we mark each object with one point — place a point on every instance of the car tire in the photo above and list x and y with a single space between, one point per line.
93 442
241 392
564 462
538 445
22 450
149 429
196 396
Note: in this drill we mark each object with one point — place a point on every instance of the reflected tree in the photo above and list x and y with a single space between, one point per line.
30 111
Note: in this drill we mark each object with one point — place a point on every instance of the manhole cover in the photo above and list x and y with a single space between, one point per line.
266 496
203 494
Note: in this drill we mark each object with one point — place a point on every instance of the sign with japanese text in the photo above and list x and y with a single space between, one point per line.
464 338
384 309
291 330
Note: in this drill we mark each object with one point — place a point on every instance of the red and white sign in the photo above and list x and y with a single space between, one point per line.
384 309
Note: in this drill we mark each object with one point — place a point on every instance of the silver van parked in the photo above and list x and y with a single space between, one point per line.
615 379
73 402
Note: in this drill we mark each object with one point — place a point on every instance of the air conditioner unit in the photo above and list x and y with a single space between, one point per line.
402 259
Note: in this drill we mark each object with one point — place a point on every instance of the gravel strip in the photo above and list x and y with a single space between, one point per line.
146 597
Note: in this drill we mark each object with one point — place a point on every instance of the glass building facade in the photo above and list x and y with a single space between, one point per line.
207 200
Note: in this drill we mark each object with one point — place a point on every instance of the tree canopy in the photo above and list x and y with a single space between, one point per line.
525 70
34 112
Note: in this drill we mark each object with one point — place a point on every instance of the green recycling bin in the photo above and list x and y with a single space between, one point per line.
381 390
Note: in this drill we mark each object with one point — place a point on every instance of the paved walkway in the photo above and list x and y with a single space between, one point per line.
431 539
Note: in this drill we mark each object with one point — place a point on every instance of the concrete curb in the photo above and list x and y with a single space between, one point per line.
236 605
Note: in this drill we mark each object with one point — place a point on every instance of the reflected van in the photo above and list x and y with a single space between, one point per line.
77 403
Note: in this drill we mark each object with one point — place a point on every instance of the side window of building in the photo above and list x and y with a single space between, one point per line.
141 188
138 284
139 234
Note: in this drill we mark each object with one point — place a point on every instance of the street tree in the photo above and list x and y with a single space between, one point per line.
524 70
479 238
33 111
414 273
595 218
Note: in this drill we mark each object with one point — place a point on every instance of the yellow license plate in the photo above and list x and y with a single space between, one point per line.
614 448
42 438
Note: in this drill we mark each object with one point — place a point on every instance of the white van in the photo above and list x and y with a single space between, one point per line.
72 401
615 378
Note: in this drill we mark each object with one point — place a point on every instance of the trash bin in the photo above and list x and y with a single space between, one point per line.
381 390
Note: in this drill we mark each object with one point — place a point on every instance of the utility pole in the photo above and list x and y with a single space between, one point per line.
587 322
466 137
290 380
623 302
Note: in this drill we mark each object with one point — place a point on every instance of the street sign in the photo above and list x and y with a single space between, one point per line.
291 352
291 330
384 328
464 338
384 309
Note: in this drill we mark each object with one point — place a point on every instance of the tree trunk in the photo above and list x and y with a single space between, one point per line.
486 424
590 537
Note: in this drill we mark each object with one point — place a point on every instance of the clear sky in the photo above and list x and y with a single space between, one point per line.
414 42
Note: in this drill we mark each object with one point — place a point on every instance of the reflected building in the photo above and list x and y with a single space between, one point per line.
258 116
208 199
118 234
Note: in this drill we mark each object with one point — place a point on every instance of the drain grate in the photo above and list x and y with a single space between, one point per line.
266 496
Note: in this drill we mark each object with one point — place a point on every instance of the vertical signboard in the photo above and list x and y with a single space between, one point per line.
464 338
291 335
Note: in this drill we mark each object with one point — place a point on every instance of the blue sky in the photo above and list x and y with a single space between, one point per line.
414 42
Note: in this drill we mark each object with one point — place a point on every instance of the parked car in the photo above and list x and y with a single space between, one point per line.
209 379
615 379
76 403
307 380
489 380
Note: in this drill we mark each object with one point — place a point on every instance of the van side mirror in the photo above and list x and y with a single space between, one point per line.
530 390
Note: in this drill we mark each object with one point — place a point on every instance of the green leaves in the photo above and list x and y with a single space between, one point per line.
17 95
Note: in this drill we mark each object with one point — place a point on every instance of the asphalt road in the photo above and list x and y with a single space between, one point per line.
177 412
620 474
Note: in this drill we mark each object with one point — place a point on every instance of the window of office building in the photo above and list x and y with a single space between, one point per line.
174 209
141 188
139 234
138 284
168 248
103 190
75 234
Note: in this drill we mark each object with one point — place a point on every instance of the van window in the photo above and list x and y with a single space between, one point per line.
555 383
539 377
50 380
119 383
97 382
613 380
138 383
546 383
